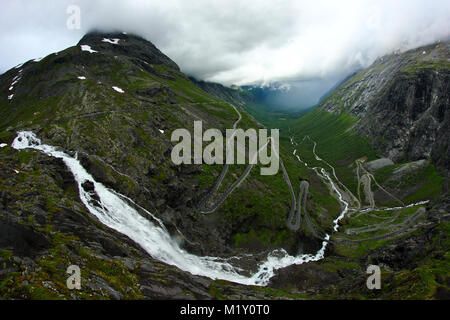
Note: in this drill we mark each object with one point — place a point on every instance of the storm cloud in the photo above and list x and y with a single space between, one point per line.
235 41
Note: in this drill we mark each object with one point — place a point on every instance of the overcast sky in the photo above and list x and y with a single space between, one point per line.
235 41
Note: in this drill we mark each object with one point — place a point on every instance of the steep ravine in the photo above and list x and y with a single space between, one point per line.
101 192
402 102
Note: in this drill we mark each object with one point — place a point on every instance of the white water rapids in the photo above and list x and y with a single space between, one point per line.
117 214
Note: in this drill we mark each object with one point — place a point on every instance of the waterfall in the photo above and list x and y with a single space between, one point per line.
113 211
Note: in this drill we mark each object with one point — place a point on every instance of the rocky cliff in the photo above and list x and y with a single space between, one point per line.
397 109
402 102
232 95
113 101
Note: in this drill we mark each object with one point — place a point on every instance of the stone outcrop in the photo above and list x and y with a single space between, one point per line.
402 102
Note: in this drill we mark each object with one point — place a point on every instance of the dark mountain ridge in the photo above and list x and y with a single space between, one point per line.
113 101
402 102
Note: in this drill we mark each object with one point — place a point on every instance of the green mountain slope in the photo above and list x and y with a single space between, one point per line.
115 106
397 109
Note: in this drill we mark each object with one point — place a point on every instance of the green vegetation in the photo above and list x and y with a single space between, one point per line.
425 182
264 237
49 283
6 254
271 118
122 130
420 65
429 276
336 142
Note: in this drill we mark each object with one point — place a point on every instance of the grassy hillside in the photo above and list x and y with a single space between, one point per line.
340 146
126 140
336 143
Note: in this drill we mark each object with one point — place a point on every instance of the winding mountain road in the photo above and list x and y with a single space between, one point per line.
298 207
366 180
302 198
203 205
343 186
405 227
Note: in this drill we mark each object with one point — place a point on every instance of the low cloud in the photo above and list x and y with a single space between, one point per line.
234 41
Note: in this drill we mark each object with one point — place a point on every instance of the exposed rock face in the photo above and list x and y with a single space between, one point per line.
378 164
115 107
131 46
42 233
408 167
402 262
220 91
402 103
122 138
24 240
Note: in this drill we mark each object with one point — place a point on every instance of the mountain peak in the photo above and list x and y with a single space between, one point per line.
122 43
94 36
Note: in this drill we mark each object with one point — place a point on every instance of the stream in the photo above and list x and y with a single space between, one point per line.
153 237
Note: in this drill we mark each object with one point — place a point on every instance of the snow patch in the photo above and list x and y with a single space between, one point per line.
112 41
118 89
10 97
120 213
162 131
2 145
87 48
117 213
15 80
82 78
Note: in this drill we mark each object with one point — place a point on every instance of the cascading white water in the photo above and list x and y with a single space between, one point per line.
117 214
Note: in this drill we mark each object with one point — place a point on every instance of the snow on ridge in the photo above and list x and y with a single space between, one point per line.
38 59
112 41
15 81
87 48
118 89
